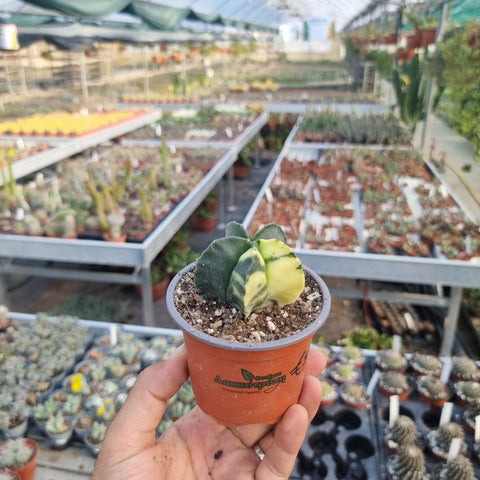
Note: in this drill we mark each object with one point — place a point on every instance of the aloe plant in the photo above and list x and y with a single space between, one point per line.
250 273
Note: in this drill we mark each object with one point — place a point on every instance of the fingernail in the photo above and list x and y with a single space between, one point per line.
177 351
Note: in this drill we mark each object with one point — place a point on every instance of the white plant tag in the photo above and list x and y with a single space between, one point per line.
373 382
446 414
113 335
477 429
397 343
454 449
394 410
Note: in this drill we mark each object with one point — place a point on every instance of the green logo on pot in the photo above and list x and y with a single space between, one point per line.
253 381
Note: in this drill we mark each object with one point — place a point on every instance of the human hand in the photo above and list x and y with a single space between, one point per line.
196 446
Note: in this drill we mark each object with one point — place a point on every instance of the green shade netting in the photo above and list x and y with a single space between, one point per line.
85 8
164 17
28 19
463 10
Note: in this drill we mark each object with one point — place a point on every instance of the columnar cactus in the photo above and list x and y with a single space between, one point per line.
459 468
250 273
407 464
439 440
402 432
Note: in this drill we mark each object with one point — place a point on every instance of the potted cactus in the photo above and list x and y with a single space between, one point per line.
432 391
402 432
394 383
354 395
457 468
464 368
20 456
248 310
408 462
440 439
389 359
94 437
59 430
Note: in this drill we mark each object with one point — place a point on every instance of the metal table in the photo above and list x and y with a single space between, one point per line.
138 256
439 272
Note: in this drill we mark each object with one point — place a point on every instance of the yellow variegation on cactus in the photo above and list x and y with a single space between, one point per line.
248 272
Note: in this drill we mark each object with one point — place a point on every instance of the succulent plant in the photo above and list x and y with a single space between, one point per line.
329 391
458 468
468 390
73 404
407 464
394 382
470 413
350 354
354 393
390 359
440 439
107 411
402 432
432 387
15 454
342 372
97 432
424 364
43 411
250 273
464 368
57 424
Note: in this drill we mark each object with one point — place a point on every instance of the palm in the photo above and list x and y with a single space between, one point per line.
196 446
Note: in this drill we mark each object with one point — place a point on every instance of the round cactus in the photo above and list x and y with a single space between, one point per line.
351 354
424 364
390 359
432 387
464 368
394 383
354 394
343 372
407 464
467 391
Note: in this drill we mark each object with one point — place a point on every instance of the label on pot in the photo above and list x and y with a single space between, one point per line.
249 382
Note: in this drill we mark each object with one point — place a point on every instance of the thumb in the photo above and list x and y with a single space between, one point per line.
133 430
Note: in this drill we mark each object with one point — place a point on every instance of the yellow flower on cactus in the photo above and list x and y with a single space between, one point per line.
406 79
77 382
100 411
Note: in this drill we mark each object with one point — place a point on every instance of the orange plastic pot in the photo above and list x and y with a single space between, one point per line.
27 472
241 383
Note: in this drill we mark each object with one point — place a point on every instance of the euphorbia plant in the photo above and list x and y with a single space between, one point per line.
248 272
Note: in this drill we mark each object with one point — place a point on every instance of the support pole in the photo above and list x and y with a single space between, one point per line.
451 321
83 76
431 83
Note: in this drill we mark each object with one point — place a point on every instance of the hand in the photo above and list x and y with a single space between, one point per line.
196 446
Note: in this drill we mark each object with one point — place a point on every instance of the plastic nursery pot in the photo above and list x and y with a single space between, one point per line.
27 472
241 383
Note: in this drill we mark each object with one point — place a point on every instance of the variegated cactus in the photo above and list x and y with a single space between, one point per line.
248 272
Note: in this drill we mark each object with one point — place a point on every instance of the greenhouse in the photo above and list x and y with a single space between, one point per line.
239 238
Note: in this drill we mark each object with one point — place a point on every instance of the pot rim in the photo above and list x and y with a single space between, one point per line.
250 346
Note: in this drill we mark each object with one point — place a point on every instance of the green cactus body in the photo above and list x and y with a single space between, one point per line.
459 468
432 387
56 424
407 464
390 360
394 382
250 273
464 368
440 439
402 432
15 454
97 432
